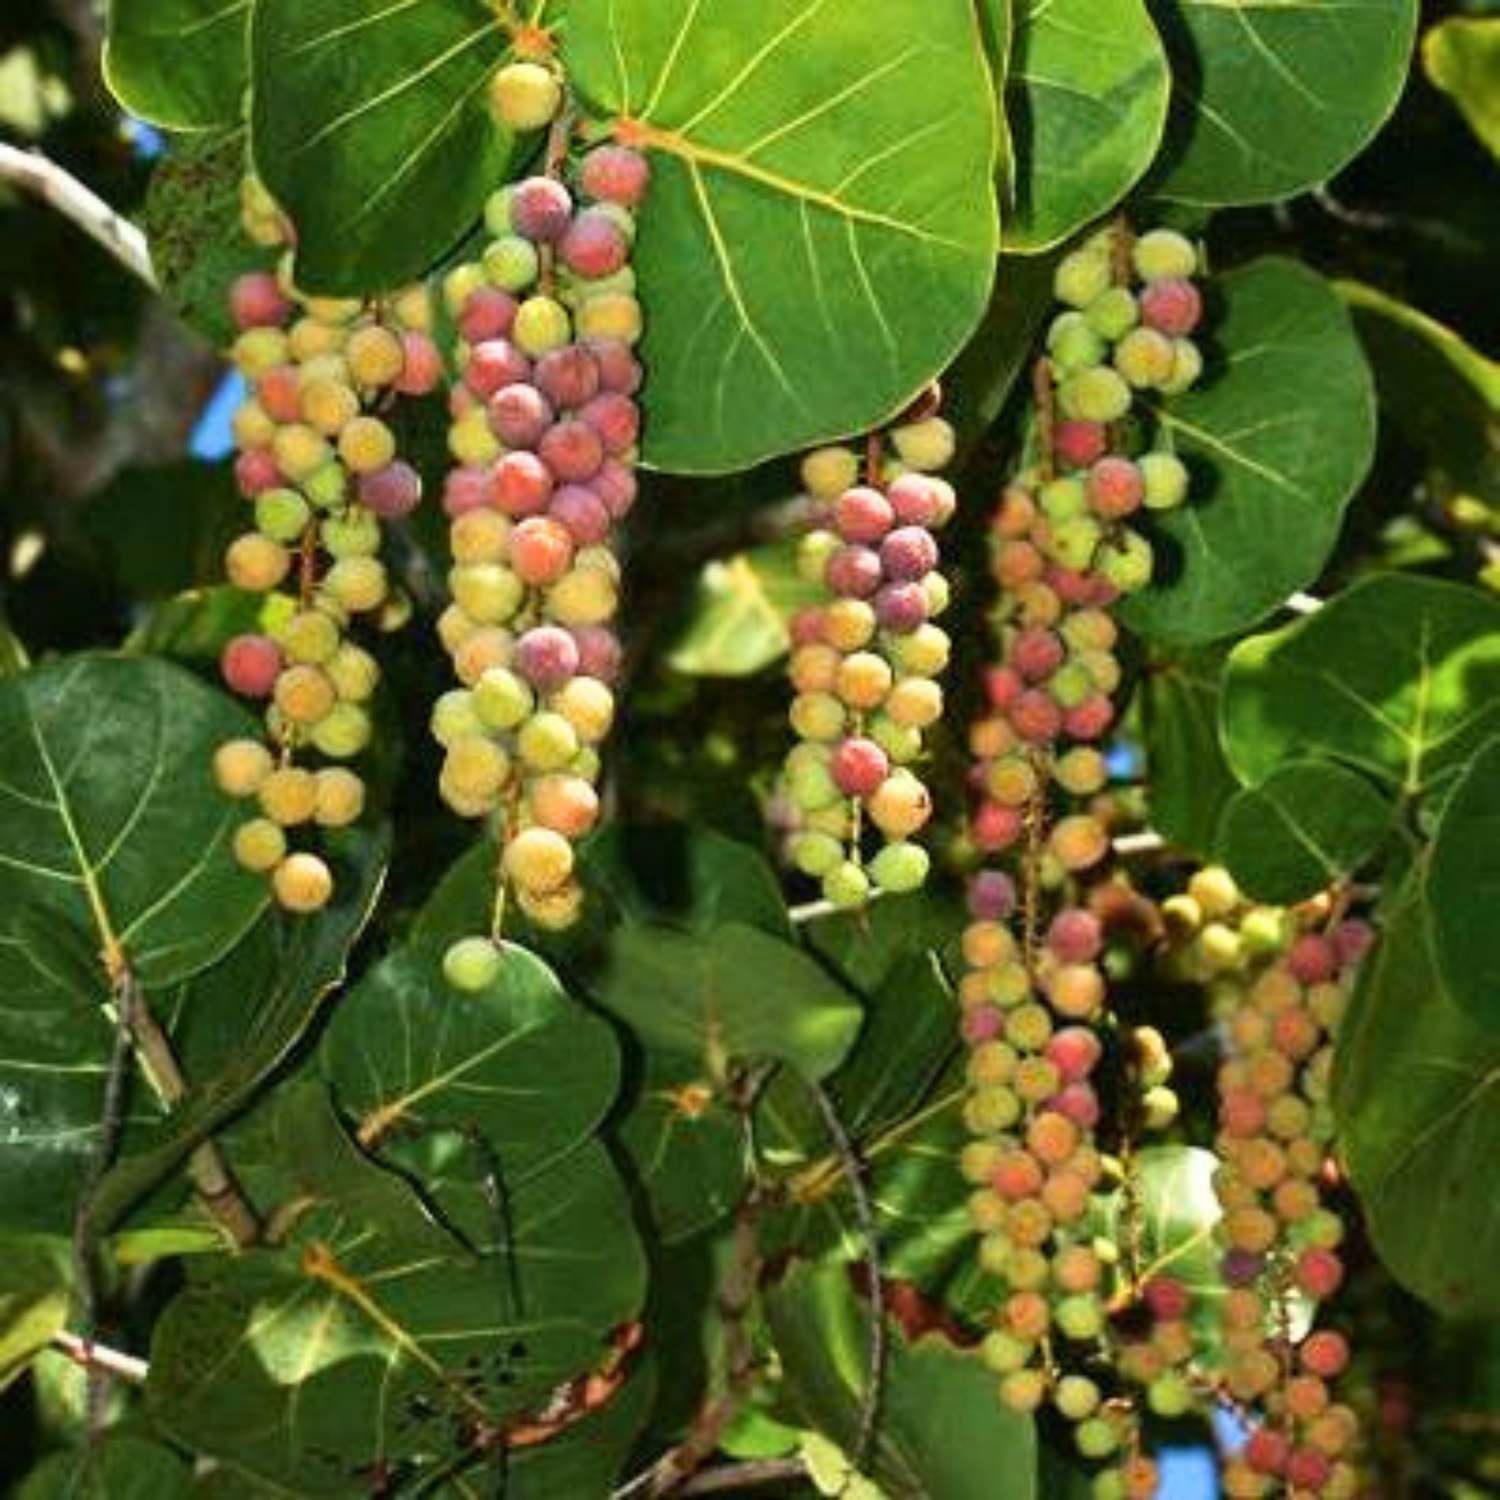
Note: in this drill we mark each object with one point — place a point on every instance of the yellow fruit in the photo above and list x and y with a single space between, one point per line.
340 797
289 796
259 845
302 883
539 861
241 766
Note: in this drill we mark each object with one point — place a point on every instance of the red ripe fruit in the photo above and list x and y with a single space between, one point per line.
1308 1470
1035 717
617 420
1172 306
807 626
1079 1103
494 364
1312 959
547 657
255 472
615 174
568 376
1091 719
468 489
541 550
1167 1299
255 301
1037 654
996 827
1075 936
616 487
487 314
523 484
391 492
421 365
541 209
859 767
1320 1273
1116 487
1018 1177
572 450
278 392
1266 1451
619 370
1324 1354
584 514
593 245
519 415
1075 1052
908 553
917 500
853 572
1353 940
1003 685
901 607
1242 1113
863 515
1078 444
250 665
598 651
983 1023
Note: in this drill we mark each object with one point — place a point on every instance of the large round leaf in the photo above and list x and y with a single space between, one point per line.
1086 96
1274 98
1464 887
118 1468
1417 1089
1278 438
1190 781
178 63
1399 676
821 234
371 126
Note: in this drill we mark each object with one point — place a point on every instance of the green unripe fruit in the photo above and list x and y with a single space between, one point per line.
1113 314
1080 1318
939 593
926 446
1263 931
489 593
327 486
497 218
281 515
476 769
1074 543
828 472
1096 1438
1187 368
455 717
991 1109
847 886
611 315
817 716
1074 344
259 845
1164 253
922 653
472 964
1063 499
343 733
309 637
356 533
1159 1108
525 96
300 451
1097 395
813 553
1081 277
816 854
541 325
1023 1391
1127 562
258 350
1070 685
900 867
358 584
812 788
512 264
1166 479
501 700
1146 358
1004 1353
1170 1395
1076 1397
901 742
547 742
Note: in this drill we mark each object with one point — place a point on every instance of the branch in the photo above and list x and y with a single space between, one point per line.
746 1476
58 188
92 1356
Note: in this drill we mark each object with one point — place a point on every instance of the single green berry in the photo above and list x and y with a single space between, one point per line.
472 964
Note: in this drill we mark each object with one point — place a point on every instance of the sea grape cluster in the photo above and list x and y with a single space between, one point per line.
1279 1233
865 661
1035 999
317 463
544 441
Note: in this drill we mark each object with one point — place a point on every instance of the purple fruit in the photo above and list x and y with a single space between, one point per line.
901 607
547 657
853 572
541 209
908 553
568 377
598 651
992 896
391 492
519 415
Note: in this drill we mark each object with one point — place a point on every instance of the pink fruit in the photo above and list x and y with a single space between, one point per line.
860 767
1319 1273
853 572
1078 444
1003 685
582 511
901 607
1075 936
1116 487
619 370
807 626
1168 1299
523 484
908 553
519 415
1313 959
468 489
255 301
616 486
1079 1103
391 492
1266 1451
1035 717
917 499
541 209
1091 718
1324 1354
547 657
593 245
280 394
984 1023
992 896
422 365
572 450
541 550
488 314
250 665
494 364
1075 1052
1172 306
995 827
568 376
1037 653
1307 1470
615 174
863 515
617 420
255 472
598 651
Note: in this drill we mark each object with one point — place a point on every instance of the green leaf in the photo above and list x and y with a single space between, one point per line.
1278 439
235 1025
1396 677
731 993
1307 826
1275 98
198 250
686 1145
1463 887
821 235
1086 96
740 615
118 1468
1417 1090
942 1434
1461 55
864 947
35 1297
195 627
178 63
372 128
374 1336
1190 781
406 1054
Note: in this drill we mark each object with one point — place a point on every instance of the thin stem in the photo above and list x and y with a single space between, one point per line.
746 1476
93 1356
78 203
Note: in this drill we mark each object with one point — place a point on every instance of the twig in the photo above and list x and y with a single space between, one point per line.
92 1356
815 911
75 201
864 1213
746 1476
1304 604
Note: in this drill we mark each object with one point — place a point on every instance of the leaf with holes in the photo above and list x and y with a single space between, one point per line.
820 239
1463 886
1307 826
367 117
1276 97
1417 1091
1399 677
1086 96
178 63
1278 438
376 1335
